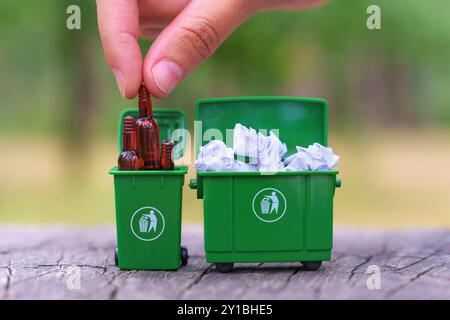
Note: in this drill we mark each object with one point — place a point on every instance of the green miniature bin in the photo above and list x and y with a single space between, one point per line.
240 224
148 205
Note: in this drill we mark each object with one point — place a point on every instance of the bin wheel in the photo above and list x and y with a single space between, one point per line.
116 256
184 256
224 267
311 265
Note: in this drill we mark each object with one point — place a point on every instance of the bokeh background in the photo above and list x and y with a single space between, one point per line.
388 92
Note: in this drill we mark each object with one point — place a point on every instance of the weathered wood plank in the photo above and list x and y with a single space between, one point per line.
38 262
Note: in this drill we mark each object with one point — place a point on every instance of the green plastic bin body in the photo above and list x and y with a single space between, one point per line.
240 225
148 207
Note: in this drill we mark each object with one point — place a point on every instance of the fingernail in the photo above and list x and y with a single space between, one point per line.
120 81
166 75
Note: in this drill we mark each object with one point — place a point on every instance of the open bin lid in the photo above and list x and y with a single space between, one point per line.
172 125
299 121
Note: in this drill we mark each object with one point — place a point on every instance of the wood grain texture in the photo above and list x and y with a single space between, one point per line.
36 262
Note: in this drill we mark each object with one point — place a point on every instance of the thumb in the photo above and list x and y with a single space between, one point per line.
190 39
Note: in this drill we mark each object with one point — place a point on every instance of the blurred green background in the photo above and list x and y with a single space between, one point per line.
388 92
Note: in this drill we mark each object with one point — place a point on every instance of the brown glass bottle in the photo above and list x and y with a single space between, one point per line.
147 131
130 158
166 155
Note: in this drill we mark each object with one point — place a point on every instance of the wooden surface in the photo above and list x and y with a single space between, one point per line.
37 263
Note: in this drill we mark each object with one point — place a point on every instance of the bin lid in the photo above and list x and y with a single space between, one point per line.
172 125
296 121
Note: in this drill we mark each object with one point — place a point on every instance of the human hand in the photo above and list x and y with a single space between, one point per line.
187 33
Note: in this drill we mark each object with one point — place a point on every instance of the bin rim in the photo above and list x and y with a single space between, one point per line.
265 174
322 101
178 170
261 98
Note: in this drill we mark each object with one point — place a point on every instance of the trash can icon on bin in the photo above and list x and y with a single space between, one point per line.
265 205
143 223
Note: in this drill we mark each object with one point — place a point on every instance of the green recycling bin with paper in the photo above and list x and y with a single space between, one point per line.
148 204
284 216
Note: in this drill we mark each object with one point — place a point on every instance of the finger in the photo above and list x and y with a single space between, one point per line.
118 22
190 39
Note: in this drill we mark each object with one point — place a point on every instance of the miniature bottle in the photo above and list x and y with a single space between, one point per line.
166 155
147 131
130 158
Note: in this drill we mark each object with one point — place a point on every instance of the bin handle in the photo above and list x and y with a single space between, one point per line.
193 184
338 182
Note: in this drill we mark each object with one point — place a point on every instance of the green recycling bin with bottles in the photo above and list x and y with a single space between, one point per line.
238 224
149 204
